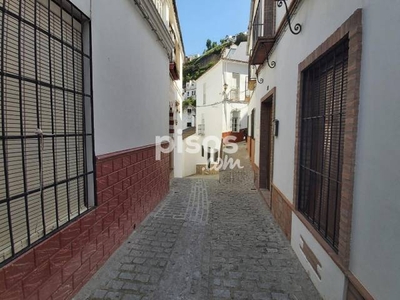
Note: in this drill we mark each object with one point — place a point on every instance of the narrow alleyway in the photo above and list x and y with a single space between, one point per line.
209 239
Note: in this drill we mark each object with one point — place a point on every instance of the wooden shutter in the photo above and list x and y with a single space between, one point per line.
322 140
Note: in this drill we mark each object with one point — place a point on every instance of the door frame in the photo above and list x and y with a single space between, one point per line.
266 163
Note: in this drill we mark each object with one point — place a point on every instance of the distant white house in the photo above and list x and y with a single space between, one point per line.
221 106
189 111
190 90
189 117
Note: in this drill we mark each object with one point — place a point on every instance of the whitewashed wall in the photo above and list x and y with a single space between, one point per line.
130 96
178 155
376 197
214 88
218 117
230 67
83 5
191 159
375 248
281 13
332 282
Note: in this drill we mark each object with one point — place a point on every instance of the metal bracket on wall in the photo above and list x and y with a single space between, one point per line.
260 80
271 64
297 27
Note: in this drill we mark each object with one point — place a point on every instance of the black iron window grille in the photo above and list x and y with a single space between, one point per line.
258 22
322 140
46 149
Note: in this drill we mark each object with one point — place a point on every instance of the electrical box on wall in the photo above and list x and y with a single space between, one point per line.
276 127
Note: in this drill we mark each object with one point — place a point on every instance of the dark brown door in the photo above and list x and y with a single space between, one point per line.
266 140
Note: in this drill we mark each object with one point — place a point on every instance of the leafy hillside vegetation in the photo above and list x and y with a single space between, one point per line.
198 66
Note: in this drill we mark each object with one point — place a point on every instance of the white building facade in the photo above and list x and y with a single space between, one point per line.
323 147
190 90
177 113
189 110
221 107
189 117
84 172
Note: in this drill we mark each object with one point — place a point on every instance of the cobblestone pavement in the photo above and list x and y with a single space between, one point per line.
209 239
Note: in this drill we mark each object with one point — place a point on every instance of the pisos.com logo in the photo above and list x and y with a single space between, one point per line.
210 147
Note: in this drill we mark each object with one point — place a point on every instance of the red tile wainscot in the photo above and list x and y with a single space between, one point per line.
130 184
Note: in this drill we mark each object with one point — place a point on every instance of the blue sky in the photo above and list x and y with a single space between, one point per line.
211 19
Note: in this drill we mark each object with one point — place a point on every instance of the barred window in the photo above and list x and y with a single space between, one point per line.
322 139
46 169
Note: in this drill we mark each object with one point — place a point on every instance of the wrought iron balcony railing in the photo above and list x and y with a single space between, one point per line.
262 32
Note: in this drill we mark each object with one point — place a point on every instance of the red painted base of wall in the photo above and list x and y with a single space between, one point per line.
130 184
282 210
239 135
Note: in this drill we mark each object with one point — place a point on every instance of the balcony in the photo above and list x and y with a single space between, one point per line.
173 71
261 50
262 33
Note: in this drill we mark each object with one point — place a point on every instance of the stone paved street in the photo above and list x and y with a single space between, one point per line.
209 239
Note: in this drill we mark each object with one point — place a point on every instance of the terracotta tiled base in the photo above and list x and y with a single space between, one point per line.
130 184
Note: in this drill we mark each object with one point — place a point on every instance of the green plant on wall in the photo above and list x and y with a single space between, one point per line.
188 102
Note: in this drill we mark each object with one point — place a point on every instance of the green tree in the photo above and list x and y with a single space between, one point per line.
241 37
208 44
